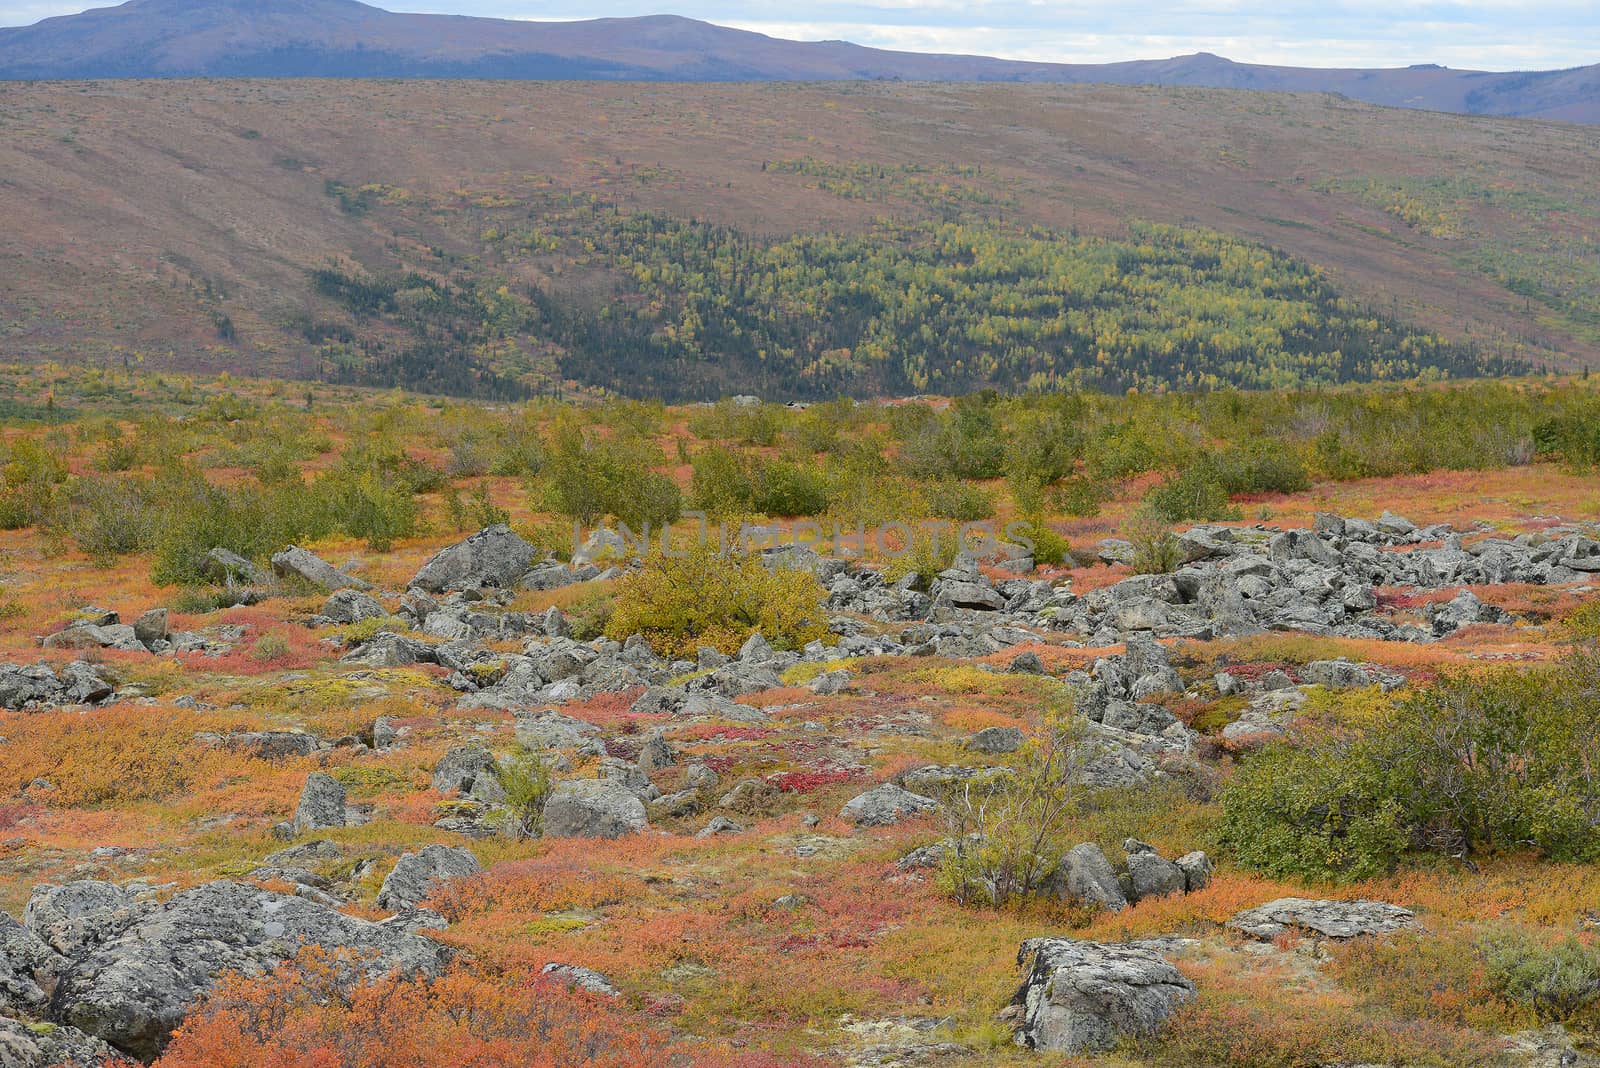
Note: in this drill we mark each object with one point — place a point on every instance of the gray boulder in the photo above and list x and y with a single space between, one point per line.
581 978
494 556
1081 997
461 767
830 682
884 805
77 915
549 575
593 808
416 875
352 606
151 627
132 990
996 740
231 569
1329 919
300 563
1150 874
1085 875
25 963
656 753
1196 868
83 684
25 1045
321 804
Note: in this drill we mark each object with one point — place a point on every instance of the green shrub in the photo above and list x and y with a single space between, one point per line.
109 517
1470 764
1007 832
1155 550
788 489
526 780
1080 497
964 442
1557 982
588 616
1258 468
722 484
1194 494
1321 811
269 647
590 476
961 501
704 598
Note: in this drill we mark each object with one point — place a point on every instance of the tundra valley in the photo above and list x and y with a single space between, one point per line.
747 573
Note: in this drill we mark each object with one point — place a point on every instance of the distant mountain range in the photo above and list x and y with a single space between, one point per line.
347 39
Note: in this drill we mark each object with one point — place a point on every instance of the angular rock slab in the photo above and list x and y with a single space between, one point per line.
416 875
1329 919
1079 997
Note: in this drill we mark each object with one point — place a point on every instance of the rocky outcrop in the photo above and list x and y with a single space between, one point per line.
32 1045
1326 919
132 968
1081 997
493 557
37 686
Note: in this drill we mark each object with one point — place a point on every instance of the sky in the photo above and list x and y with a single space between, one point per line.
1481 34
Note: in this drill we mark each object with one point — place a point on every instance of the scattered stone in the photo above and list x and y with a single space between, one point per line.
1196 868
1086 875
459 769
151 627
1150 874
352 606
582 978
493 557
1026 664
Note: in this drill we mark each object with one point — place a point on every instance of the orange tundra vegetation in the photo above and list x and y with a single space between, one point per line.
306 1015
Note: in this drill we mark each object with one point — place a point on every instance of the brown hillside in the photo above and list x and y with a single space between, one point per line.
139 214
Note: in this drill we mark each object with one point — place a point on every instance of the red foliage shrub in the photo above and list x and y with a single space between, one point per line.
301 1015
803 782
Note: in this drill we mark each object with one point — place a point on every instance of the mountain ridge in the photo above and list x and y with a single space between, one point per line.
347 38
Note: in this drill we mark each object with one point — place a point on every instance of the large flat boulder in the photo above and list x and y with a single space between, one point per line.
1329 919
884 805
